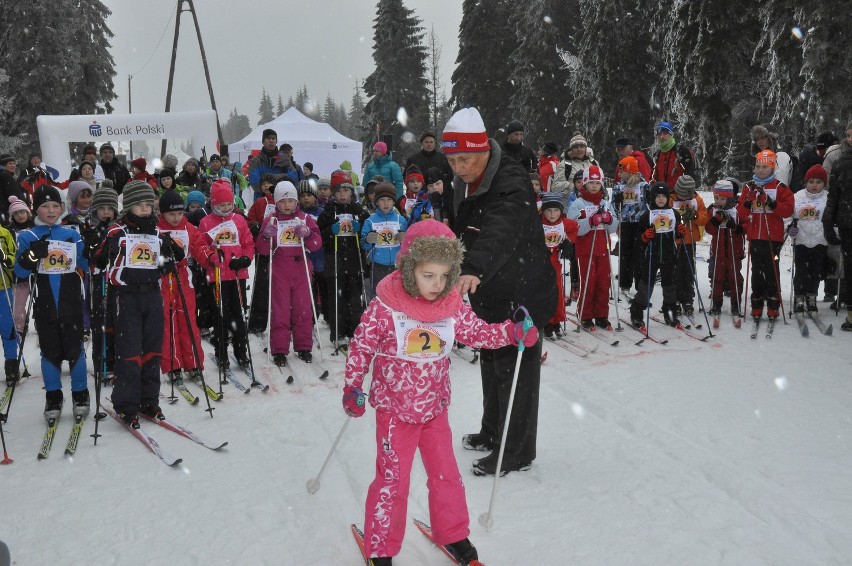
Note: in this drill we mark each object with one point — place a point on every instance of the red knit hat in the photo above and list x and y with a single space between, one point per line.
629 164
465 133
817 172
415 174
341 179
593 173
221 192
139 163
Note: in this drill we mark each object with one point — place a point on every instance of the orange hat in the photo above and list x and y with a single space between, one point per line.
629 164
767 157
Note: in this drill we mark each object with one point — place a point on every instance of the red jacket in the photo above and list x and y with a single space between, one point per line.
546 169
668 169
644 166
762 221
242 247
257 212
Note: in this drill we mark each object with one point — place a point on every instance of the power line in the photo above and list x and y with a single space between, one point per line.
162 35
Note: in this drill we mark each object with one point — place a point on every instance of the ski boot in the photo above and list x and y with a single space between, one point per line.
478 442
381 561
557 331
716 310
244 362
548 332
153 410
847 324
588 324
828 298
305 356
12 373
53 405
130 419
735 310
174 376
195 375
80 403
279 360
603 323
463 551
799 305
670 315
687 309
637 316
811 303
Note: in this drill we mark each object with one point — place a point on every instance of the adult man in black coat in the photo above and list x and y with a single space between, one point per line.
838 212
811 154
113 169
9 187
514 147
429 157
505 266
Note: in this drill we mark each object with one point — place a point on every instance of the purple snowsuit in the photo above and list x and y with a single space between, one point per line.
290 286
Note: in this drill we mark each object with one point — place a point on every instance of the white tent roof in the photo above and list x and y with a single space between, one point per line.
312 141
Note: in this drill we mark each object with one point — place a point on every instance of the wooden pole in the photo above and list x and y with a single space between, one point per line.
172 68
206 69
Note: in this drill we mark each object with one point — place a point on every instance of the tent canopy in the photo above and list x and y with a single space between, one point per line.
316 142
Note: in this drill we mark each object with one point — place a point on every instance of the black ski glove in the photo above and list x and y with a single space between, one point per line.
238 263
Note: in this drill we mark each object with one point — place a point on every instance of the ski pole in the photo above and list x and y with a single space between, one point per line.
99 416
792 279
364 295
612 285
747 277
695 281
244 314
5 416
313 484
313 304
487 519
194 346
715 265
6 460
585 283
172 399
650 289
734 273
12 311
269 295
336 303
223 344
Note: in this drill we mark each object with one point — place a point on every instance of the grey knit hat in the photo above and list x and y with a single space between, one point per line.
170 162
105 197
685 187
137 192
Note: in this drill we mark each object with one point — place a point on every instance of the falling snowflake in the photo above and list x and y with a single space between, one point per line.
548 20
402 116
797 33
781 383
578 410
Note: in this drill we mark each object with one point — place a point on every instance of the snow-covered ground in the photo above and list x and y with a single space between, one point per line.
729 452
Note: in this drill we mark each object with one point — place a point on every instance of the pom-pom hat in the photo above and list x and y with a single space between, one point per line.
432 242
465 133
17 205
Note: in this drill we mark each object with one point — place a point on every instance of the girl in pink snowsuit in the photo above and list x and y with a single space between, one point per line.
409 329
288 227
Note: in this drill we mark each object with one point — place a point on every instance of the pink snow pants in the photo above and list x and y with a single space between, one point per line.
387 497
291 307
594 293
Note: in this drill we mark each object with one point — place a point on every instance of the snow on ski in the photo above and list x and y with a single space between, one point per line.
185 432
229 374
692 323
47 439
144 438
315 368
644 332
264 387
770 328
74 438
820 324
427 532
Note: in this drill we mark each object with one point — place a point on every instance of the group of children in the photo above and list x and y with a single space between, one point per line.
658 227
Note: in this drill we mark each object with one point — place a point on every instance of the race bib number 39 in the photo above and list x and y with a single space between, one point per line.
143 251
61 258
386 232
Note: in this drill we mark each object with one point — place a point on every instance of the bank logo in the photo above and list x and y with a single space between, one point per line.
95 129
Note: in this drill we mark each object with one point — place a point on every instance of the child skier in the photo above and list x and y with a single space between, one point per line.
629 197
309 204
381 235
693 214
727 248
177 337
662 229
324 194
340 225
79 196
102 214
763 205
262 208
20 217
557 230
597 221
407 333
55 253
415 203
8 249
229 251
292 233
135 251
810 246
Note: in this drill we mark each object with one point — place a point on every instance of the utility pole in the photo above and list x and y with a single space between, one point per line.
130 110
191 10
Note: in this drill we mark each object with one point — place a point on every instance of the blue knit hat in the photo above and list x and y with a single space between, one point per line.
196 197
665 127
552 200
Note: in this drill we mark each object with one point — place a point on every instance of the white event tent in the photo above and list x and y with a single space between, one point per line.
312 141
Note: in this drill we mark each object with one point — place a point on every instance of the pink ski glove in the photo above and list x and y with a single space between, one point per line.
270 229
302 231
354 401
597 218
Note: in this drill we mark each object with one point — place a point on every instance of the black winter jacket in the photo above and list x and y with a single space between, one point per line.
117 173
838 207
520 152
501 231
347 249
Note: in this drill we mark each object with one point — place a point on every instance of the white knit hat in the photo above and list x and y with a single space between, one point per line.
592 173
285 189
465 133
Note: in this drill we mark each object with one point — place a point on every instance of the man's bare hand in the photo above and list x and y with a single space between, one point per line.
467 284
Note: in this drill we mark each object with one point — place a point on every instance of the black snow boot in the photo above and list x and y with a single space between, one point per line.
305 356
153 410
12 372
670 315
130 419
80 401
637 316
478 442
381 562
53 405
464 551
279 360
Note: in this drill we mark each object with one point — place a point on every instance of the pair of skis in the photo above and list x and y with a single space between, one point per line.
142 435
427 532
232 378
180 385
573 346
73 438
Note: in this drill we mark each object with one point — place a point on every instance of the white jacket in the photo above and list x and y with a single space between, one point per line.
808 210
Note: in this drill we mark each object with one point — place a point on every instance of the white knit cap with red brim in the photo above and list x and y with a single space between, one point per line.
465 133
592 173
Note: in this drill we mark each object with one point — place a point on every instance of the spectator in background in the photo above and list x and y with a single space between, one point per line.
113 169
832 154
308 170
672 159
192 178
292 169
347 166
811 154
429 157
514 146
266 161
9 187
548 161
765 137
90 154
623 148
383 165
574 160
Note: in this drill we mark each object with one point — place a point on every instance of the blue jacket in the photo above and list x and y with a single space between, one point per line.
65 289
387 168
422 208
382 255
318 257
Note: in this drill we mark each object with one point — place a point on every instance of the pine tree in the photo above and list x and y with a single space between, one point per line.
482 77
329 110
538 100
279 109
265 109
433 72
236 128
356 122
396 90
342 122
95 88
7 144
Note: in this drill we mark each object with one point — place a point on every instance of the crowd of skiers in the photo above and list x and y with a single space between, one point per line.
147 265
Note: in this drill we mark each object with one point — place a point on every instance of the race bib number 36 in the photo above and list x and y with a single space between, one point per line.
61 258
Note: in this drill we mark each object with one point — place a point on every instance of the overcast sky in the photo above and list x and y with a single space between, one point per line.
276 44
